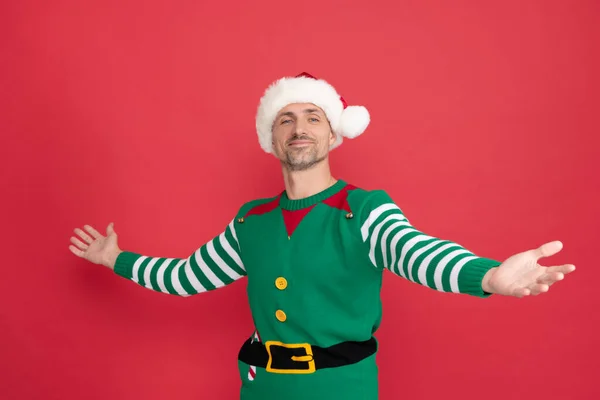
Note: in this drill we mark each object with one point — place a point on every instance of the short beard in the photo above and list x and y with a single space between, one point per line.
292 165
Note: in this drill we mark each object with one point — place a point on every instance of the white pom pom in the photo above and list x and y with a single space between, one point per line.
354 121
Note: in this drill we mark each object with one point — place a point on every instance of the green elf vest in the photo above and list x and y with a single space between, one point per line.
314 269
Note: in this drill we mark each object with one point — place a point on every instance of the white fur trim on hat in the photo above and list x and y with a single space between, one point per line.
347 122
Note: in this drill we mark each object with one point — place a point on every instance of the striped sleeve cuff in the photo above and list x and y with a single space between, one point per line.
471 276
124 264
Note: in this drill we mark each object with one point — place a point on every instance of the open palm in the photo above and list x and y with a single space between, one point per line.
521 275
96 248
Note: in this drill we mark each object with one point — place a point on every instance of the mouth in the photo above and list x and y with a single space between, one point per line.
299 143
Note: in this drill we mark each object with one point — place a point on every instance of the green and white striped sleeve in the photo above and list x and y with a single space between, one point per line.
212 266
394 244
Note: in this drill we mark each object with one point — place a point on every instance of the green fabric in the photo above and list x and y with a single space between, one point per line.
333 263
287 204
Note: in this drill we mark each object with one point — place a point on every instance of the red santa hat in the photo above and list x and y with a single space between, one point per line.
346 121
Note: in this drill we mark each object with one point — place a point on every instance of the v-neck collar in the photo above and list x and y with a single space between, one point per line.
298 204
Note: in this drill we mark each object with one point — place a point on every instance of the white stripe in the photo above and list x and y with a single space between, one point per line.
175 279
373 215
230 250
375 234
417 253
147 272
439 270
253 368
136 269
422 273
395 240
207 271
193 278
455 272
405 249
160 275
232 228
397 237
384 239
219 261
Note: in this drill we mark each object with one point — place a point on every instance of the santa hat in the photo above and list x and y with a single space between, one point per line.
346 121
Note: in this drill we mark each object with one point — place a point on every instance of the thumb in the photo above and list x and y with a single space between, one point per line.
110 229
548 249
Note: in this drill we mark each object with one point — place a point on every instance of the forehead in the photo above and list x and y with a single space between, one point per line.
299 108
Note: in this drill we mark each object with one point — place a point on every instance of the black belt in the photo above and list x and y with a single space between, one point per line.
303 358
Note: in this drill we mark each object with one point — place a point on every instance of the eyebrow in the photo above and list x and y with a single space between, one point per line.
306 111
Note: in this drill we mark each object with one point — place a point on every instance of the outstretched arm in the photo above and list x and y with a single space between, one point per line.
393 243
213 265
447 266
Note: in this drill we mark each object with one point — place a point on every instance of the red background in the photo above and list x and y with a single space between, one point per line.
484 130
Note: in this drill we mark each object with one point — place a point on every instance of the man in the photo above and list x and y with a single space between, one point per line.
314 257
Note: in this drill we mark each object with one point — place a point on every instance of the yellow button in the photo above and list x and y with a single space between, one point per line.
280 315
281 283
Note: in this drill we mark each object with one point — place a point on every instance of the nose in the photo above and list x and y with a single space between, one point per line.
300 127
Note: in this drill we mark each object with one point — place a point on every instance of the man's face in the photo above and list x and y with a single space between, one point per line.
301 136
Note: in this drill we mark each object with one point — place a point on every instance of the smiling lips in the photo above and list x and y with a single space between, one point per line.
299 142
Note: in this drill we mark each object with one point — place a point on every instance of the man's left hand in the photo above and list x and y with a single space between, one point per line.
521 275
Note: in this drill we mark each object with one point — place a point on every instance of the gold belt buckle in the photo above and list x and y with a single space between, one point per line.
306 358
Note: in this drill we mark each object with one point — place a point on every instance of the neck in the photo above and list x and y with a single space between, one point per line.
301 184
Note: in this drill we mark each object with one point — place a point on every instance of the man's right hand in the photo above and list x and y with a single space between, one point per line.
96 248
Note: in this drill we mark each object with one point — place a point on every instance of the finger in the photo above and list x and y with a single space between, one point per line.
521 292
550 277
548 249
84 235
76 251
110 229
79 243
538 289
563 269
92 231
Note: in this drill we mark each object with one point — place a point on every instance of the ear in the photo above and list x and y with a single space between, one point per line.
332 137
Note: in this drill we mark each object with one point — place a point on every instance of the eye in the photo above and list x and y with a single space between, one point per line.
285 121
314 119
